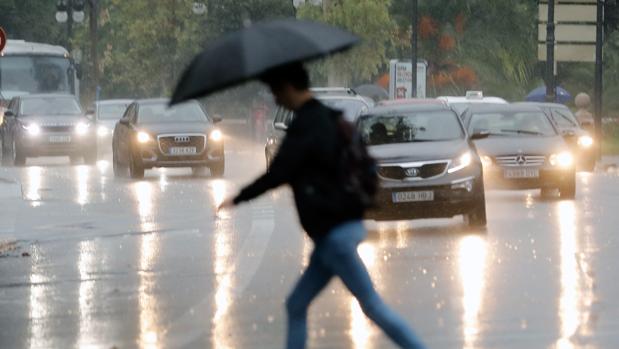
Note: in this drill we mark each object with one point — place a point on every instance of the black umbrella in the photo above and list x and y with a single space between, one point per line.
248 53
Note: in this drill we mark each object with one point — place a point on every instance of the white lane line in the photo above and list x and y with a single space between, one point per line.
196 322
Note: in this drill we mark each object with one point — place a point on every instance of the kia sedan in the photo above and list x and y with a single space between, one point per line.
151 134
46 125
524 149
427 164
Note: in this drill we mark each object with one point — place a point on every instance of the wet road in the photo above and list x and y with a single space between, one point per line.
146 264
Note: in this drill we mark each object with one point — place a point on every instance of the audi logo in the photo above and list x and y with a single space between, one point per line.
182 139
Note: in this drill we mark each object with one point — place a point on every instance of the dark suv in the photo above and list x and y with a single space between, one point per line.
46 125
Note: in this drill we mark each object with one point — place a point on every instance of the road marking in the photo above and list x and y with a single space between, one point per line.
189 327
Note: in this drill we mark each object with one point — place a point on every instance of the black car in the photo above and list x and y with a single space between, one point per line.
577 138
47 125
151 134
348 101
428 165
524 149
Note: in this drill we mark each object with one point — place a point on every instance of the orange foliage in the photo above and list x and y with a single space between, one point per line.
383 81
427 27
447 42
465 76
459 24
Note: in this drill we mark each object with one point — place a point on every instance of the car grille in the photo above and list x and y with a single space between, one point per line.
399 172
166 142
520 160
57 128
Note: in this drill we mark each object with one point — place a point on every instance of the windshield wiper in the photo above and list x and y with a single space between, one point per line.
524 132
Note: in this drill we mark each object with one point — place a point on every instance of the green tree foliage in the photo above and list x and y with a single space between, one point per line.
31 20
370 20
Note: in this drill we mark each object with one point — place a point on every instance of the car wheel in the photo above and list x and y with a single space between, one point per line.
218 169
476 218
568 189
19 159
136 170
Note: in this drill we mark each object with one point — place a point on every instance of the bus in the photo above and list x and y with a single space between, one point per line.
30 67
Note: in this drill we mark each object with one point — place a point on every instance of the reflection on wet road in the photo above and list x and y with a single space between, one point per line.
147 264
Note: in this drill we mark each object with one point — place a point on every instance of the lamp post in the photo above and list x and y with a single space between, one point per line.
414 49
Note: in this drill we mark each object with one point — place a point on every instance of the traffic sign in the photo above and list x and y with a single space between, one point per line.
2 39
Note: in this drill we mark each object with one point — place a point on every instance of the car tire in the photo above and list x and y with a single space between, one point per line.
568 189
476 217
19 159
198 171
136 169
218 169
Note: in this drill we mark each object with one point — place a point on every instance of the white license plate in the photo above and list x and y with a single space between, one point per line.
183 151
60 139
521 173
413 196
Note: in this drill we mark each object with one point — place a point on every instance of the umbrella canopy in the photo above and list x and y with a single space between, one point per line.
250 52
377 93
539 95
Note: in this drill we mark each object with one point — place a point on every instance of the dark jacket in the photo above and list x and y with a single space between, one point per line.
308 160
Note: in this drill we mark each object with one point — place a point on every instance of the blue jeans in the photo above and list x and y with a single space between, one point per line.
336 255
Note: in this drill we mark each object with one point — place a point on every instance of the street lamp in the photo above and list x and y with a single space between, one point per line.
198 8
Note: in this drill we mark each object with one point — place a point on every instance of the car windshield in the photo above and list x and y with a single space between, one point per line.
160 112
350 107
408 127
564 118
50 106
512 123
111 111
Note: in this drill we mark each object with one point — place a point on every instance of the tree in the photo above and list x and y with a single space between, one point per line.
31 20
367 18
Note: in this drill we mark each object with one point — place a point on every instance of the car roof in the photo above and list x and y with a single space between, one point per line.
499 107
462 99
46 95
412 101
348 97
543 104
113 101
383 109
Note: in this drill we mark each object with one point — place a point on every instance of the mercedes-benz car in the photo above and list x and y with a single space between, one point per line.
523 150
47 125
151 134
106 114
579 140
427 164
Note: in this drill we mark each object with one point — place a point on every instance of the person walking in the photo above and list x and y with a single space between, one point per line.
308 161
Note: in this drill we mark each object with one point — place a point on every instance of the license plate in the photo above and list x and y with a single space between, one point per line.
413 196
183 151
60 139
521 173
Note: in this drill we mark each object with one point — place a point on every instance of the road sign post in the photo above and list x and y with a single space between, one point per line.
550 53
597 102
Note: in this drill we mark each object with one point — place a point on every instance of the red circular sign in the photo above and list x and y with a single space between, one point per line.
2 39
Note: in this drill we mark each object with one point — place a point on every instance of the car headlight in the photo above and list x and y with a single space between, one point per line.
81 128
143 137
585 141
216 136
102 131
32 129
486 161
460 162
563 159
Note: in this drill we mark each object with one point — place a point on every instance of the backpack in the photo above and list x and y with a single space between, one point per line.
357 170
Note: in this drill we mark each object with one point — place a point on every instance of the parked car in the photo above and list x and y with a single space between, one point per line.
46 125
347 100
524 149
427 164
151 134
578 139
460 103
105 115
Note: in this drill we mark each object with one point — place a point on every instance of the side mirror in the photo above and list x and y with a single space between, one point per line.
9 114
124 122
280 126
217 118
479 135
90 114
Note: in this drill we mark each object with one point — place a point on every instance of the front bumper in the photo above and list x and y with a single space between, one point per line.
152 157
55 144
549 177
453 194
